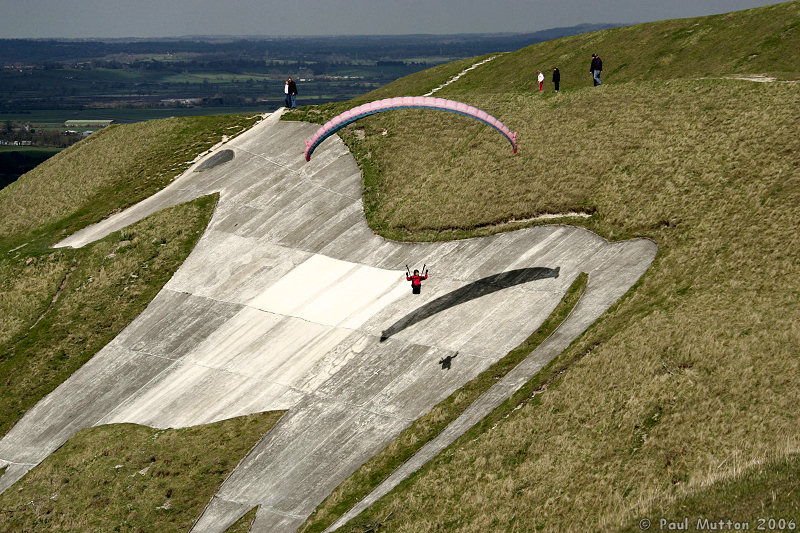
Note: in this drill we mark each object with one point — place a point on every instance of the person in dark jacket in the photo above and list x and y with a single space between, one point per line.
292 86
556 77
416 281
596 68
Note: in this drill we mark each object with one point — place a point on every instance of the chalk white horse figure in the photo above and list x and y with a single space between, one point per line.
290 302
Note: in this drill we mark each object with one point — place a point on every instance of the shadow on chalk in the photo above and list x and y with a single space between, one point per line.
447 362
476 289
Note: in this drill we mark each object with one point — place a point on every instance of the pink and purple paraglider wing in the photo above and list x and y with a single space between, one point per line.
409 102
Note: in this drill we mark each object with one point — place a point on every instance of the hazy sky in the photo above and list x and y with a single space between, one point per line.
167 18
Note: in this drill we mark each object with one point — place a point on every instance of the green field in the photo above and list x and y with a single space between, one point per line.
33 150
57 117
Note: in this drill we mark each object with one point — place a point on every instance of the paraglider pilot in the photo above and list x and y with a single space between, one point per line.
416 281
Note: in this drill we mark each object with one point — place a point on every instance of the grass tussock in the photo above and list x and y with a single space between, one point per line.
693 368
126 477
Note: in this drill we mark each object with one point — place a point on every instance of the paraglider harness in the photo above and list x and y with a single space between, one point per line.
416 279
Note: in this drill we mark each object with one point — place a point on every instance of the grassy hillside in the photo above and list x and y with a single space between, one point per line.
769 492
125 477
59 306
687 380
688 384
763 40
110 170
681 395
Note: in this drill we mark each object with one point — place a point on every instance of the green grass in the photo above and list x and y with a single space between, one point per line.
59 306
709 337
30 149
686 380
218 77
431 424
126 477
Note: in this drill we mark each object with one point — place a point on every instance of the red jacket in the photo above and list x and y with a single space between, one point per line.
416 279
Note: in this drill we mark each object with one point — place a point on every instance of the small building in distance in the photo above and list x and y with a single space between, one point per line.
85 123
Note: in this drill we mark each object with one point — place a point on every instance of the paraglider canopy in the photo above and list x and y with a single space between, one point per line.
405 102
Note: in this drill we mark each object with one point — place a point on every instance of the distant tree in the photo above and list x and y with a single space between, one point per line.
8 127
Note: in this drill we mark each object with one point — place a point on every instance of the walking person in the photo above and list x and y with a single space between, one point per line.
556 77
596 68
416 281
540 78
291 87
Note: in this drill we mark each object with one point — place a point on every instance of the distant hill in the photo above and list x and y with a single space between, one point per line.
763 40
49 51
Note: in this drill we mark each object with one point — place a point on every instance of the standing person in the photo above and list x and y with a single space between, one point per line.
292 88
596 68
416 281
556 77
540 78
286 101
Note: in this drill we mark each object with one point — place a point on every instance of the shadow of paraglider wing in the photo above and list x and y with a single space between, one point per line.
471 291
